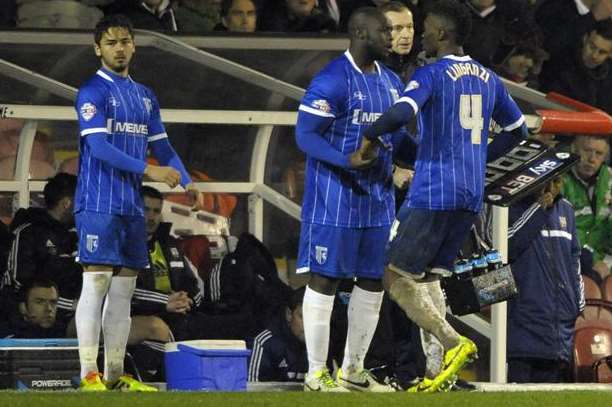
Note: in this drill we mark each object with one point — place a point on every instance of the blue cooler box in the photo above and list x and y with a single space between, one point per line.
206 365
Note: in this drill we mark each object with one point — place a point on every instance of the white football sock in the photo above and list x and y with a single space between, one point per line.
432 348
116 322
88 317
317 310
414 299
363 312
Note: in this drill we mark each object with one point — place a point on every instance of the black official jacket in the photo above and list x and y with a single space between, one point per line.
43 248
182 274
277 355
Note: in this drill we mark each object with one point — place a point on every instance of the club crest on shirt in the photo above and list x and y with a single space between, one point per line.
321 254
359 96
563 222
88 110
92 243
321 105
148 104
411 86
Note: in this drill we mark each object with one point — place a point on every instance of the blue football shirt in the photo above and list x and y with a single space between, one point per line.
128 113
354 100
455 99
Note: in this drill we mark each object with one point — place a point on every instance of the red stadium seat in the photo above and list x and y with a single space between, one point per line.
592 343
197 250
606 288
596 310
591 288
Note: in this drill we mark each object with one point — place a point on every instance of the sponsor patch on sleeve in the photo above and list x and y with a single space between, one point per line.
321 105
88 110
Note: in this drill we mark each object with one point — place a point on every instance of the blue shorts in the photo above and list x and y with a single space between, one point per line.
422 238
338 252
115 240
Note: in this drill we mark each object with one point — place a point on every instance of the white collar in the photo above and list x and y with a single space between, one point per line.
487 11
104 75
582 9
160 9
348 55
463 58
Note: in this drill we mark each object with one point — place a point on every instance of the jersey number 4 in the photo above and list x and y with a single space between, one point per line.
470 115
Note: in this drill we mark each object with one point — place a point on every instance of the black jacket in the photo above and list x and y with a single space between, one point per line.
561 24
182 275
23 329
43 248
568 76
142 17
544 251
277 355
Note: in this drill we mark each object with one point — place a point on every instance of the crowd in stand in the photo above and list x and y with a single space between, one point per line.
551 45
563 46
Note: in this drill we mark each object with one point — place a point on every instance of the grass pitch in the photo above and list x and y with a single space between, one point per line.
299 399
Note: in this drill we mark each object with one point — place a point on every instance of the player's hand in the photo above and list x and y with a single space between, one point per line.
365 156
167 175
402 177
179 303
196 196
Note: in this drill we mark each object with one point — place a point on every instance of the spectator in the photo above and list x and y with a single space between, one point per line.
37 313
583 72
563 20
45 244
147 14
588 186
170 289
523 64
545 255
238 16
168 280
197 16
278 352
497 23
58 14
295 16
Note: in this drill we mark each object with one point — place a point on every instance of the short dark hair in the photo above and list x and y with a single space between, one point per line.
226 5
151 192
394 6
112 20
296 298
458 14
604 28
60 186
358 16
38 282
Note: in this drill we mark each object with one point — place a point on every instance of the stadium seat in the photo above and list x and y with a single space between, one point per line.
591 288
197 250
596 310
606 288
603 370
592 343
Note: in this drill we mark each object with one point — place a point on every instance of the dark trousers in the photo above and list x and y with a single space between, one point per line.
534 370
197 325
